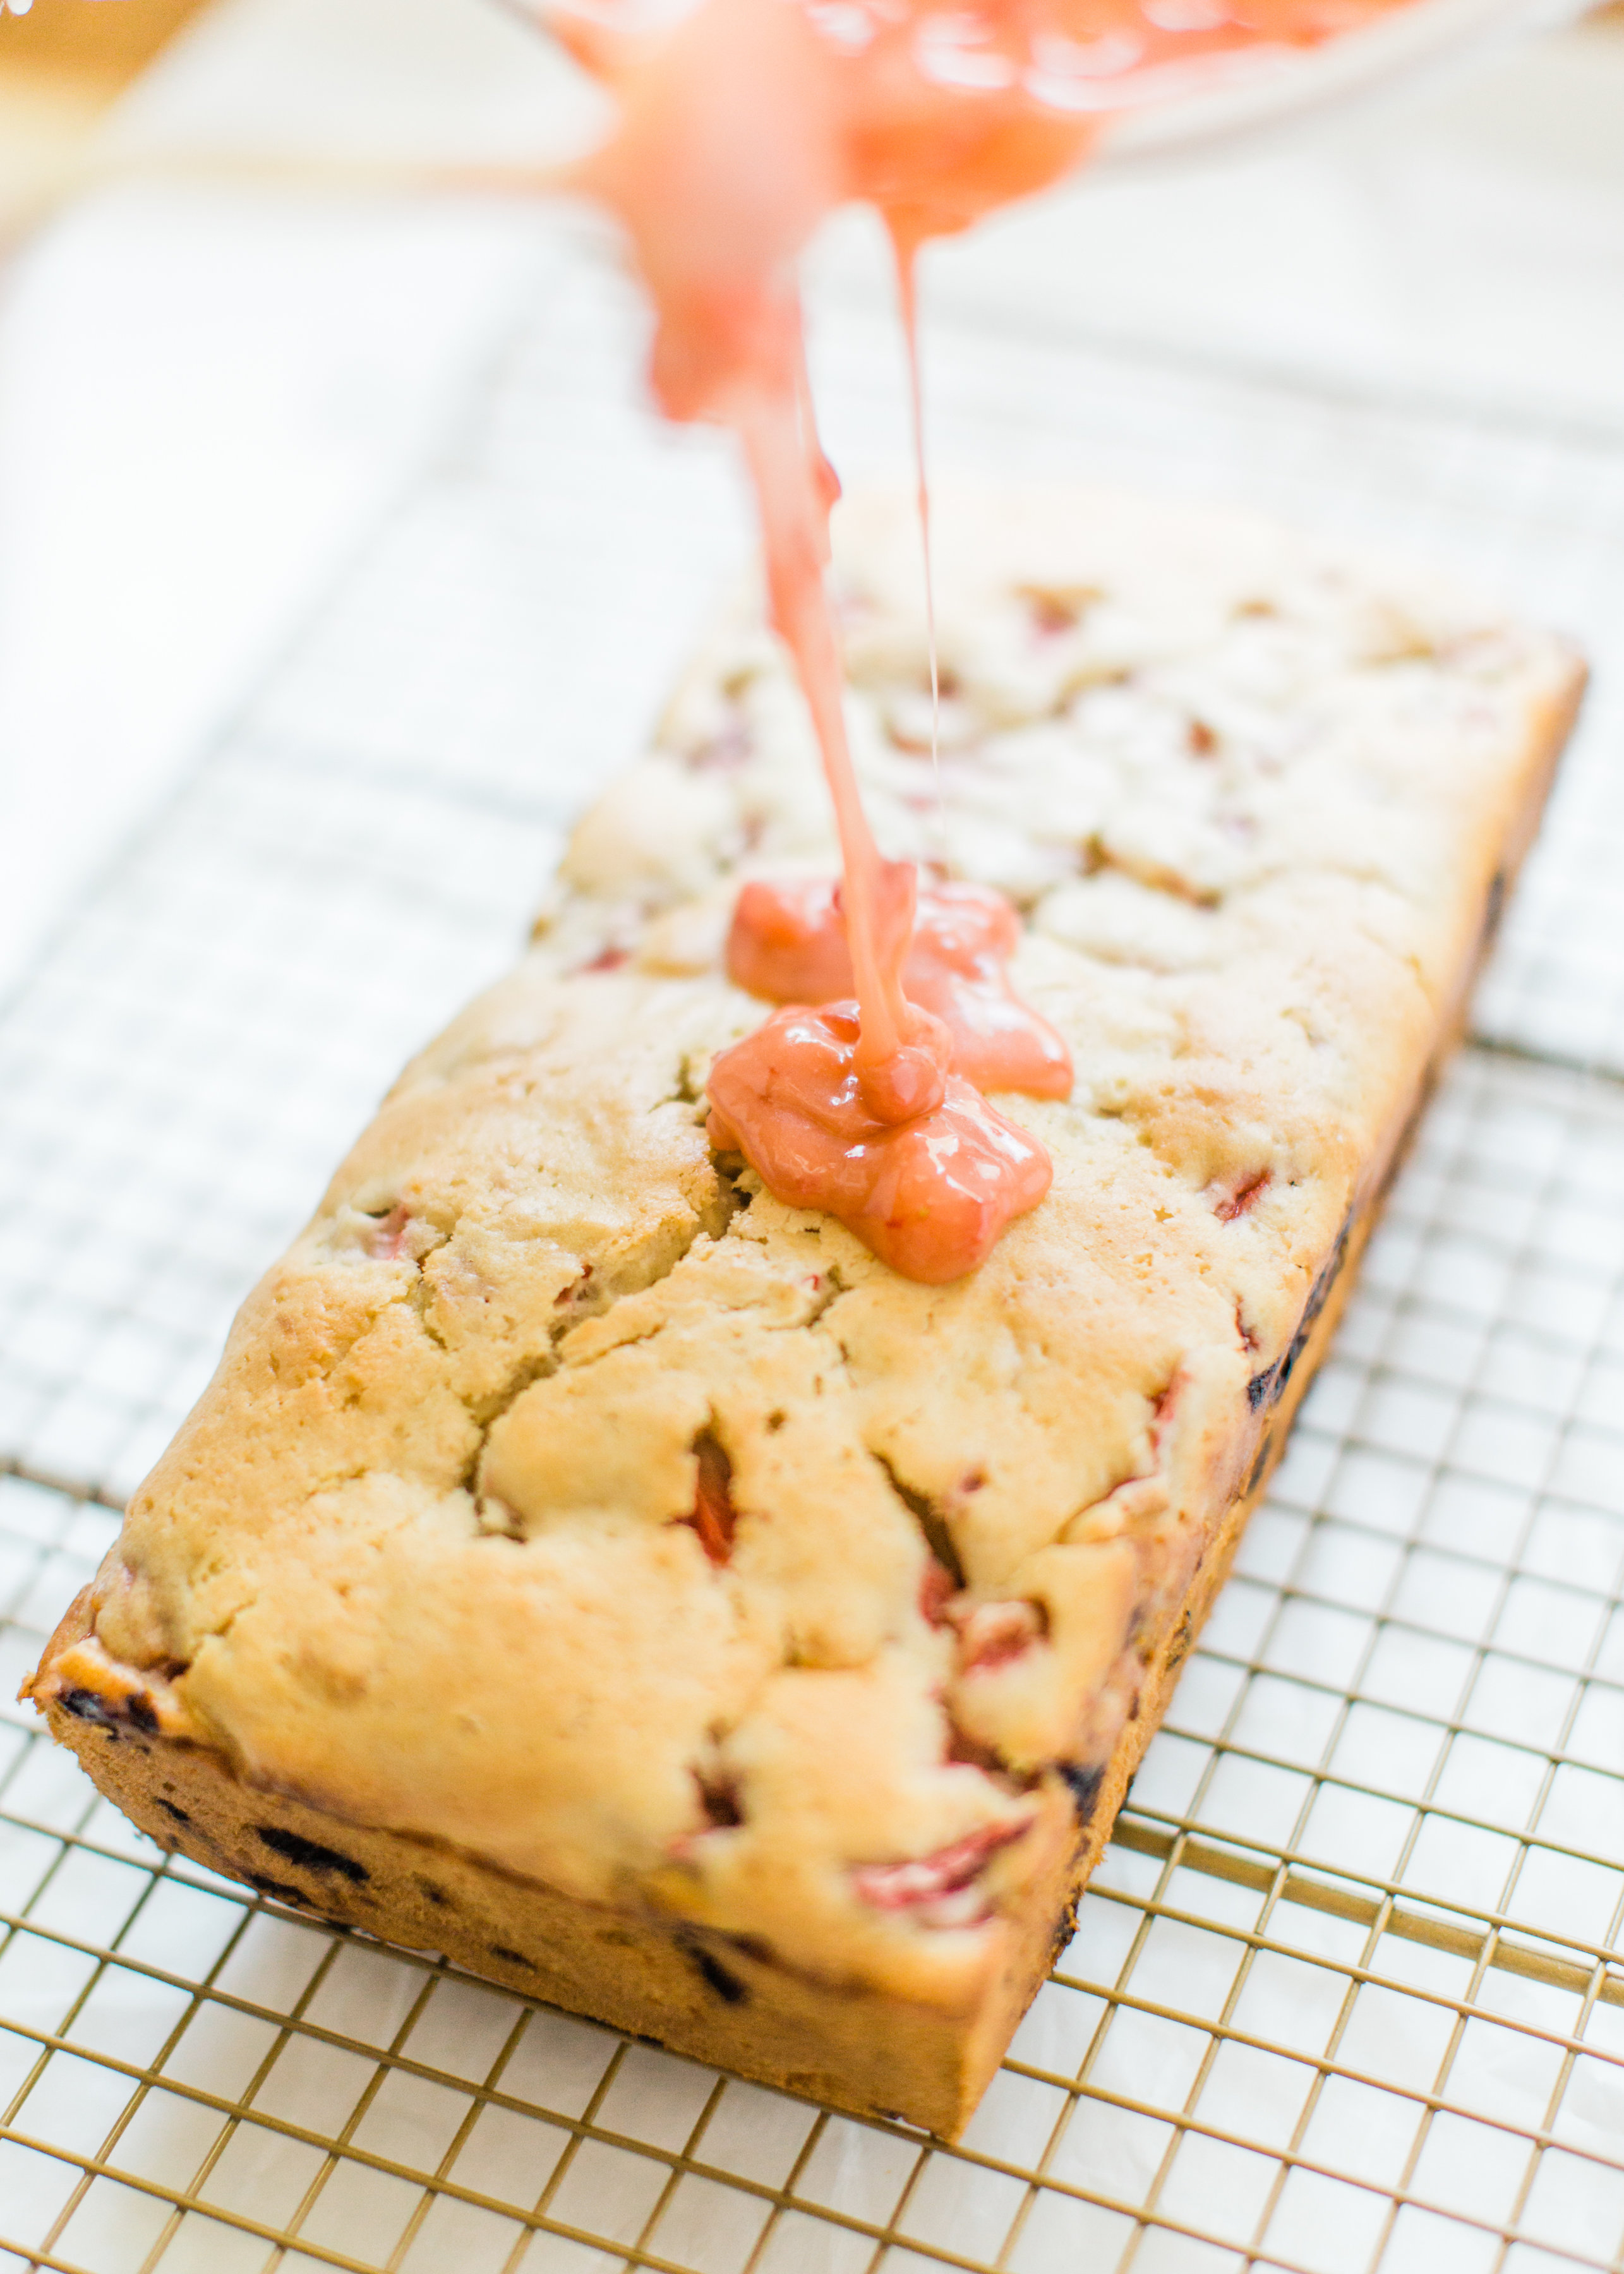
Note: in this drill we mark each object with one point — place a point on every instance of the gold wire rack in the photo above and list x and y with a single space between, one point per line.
1346 1994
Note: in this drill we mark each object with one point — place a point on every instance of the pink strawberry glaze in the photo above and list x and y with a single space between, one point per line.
928 1180
787 943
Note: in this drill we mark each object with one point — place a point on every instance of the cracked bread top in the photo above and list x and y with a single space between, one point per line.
562 1496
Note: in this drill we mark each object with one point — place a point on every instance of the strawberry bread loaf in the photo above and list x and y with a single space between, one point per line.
589 1566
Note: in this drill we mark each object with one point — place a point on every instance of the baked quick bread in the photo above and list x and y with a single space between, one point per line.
586 1566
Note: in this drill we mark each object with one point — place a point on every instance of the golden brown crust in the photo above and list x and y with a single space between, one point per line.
424 1564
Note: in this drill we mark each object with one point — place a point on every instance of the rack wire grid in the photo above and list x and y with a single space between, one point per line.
1346 1992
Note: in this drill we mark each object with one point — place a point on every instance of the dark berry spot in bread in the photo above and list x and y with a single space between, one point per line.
714 1514
511 1957
283 1889
718 1796
1263 1387
88 1706
727 1986
310 1853
170 1808
1084 1787
133 1710
1319 1295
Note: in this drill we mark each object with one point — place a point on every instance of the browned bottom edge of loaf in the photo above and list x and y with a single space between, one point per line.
724 2000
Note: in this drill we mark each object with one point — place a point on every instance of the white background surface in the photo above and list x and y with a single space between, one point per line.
201 399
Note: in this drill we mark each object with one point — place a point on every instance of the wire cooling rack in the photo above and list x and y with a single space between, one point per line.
1344 1995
